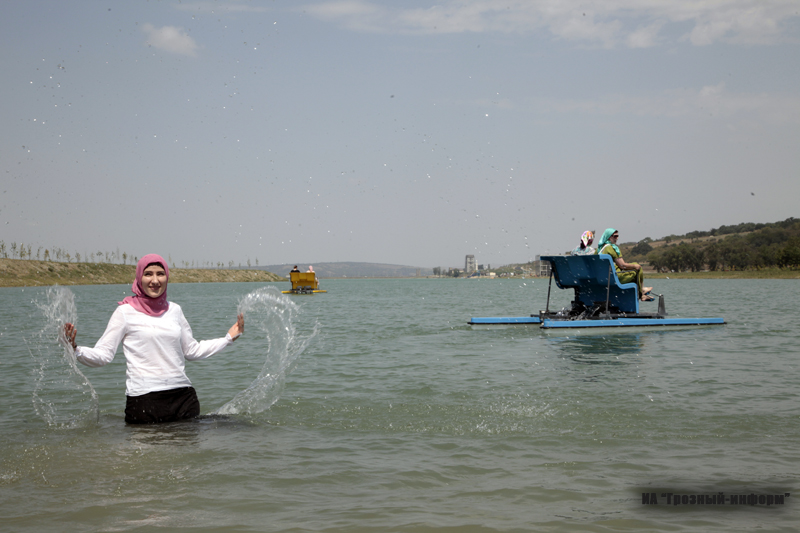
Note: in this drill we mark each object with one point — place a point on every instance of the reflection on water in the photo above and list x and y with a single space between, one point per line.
183 432
593 349
600 353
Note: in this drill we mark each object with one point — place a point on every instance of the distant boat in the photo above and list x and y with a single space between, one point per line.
601 303
303 283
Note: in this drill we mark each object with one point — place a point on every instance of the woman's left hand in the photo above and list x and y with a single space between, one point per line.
238 328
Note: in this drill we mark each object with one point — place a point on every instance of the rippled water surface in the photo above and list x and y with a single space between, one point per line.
375 407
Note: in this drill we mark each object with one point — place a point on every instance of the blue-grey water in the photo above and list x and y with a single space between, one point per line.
375 407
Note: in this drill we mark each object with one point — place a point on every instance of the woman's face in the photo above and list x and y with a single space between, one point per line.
154 280
614 238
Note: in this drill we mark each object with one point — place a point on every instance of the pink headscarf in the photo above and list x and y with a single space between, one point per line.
141 302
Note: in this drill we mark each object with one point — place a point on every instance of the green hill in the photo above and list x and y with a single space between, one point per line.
747 250
747 246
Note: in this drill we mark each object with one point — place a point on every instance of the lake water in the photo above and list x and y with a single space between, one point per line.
375 407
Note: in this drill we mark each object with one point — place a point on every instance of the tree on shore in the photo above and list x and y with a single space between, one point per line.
789 256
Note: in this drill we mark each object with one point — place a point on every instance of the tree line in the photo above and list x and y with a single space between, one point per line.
746 246
744 227
22 251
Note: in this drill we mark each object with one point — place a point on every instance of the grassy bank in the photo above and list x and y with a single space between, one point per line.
25 273
766 273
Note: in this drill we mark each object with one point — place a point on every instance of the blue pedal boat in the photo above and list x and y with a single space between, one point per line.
601 303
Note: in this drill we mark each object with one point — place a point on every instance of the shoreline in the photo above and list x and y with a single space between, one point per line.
771 273
34 273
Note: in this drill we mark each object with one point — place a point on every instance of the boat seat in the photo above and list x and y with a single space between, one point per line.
588 275
304 281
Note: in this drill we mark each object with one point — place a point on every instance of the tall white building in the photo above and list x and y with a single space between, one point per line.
469 264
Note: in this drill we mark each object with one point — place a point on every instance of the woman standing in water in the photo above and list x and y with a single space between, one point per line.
156 340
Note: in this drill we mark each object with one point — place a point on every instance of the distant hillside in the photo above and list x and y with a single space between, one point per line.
352 270
746 246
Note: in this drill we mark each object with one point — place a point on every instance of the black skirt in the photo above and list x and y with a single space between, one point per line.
162 406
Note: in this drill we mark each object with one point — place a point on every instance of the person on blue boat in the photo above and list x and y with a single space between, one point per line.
156 340
626 272
585 247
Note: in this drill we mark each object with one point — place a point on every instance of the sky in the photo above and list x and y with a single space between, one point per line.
402 132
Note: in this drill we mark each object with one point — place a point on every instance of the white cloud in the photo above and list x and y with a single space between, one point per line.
633 23
216 7
744 22
644 37
354 14
171 39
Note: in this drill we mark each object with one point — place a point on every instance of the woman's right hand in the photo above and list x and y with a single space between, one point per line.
69 334
238 328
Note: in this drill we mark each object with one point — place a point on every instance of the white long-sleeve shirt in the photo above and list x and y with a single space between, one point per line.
155 348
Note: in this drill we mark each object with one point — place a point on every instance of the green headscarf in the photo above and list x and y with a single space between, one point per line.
604 240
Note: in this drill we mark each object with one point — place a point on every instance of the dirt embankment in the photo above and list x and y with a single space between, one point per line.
29 273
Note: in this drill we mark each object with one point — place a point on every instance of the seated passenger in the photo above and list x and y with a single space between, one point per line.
585 247
626 272
295 269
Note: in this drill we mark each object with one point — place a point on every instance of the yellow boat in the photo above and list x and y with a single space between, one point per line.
303 283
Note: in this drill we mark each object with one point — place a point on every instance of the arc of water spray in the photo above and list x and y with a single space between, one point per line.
62 395
273 315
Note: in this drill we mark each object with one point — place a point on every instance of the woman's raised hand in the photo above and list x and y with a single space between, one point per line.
238 328
69 334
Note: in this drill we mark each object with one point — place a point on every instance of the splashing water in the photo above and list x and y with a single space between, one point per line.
273 315
62 395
